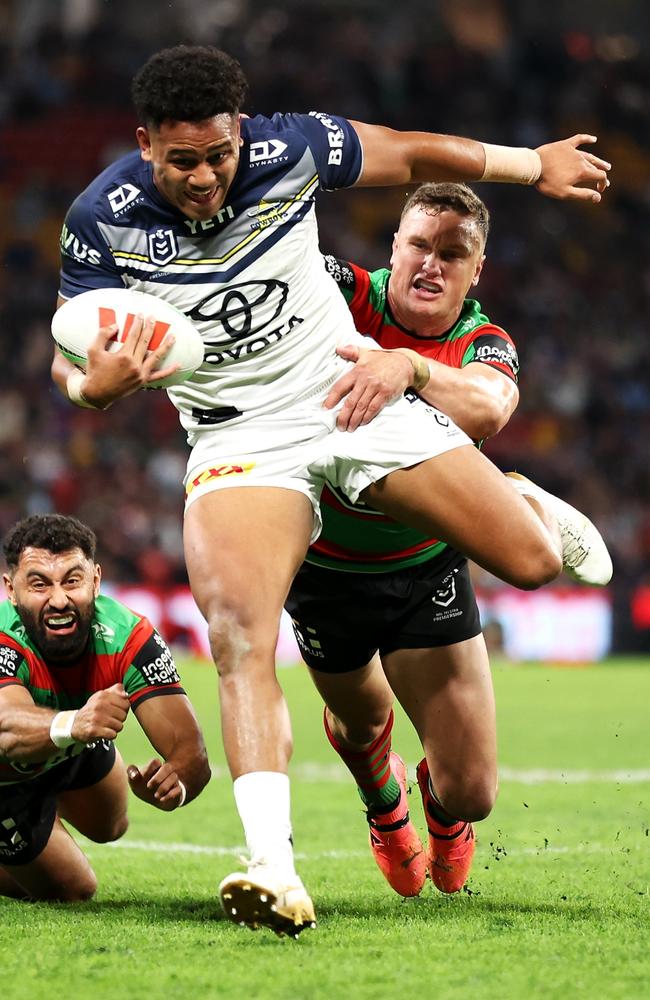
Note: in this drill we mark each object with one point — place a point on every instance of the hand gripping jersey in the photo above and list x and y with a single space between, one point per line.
251 279
355 537
122 647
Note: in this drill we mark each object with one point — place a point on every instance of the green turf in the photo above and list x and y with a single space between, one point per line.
559 895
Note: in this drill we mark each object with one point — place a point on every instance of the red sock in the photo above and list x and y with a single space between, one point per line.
370 768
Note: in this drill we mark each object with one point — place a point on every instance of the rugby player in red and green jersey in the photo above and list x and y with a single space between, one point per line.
72 663
376 599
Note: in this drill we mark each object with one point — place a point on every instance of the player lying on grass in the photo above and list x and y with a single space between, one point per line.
72 662
216 214
372 588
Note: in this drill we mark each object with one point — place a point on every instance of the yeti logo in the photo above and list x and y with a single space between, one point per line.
162 246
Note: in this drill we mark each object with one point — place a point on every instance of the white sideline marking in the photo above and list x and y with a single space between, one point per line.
337 774
542 775
158 847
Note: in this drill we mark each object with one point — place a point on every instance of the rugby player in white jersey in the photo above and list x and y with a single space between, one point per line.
215 213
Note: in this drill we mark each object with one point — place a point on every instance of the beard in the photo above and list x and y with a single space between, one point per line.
58 648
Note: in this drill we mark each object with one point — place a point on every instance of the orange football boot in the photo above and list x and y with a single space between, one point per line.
395 844
451 848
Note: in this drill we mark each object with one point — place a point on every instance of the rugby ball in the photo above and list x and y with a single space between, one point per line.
77 322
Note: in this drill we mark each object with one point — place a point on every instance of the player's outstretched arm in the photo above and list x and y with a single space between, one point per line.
111 375
558 169
30 733
173 730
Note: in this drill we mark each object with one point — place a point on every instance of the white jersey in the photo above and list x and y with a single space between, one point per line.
251 279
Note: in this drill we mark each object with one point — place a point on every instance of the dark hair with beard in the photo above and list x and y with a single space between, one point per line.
188 83
53 532
450 197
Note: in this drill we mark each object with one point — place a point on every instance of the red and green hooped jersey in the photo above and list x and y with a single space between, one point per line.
355 537
123 647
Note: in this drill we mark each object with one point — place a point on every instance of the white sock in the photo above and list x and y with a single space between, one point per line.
264 805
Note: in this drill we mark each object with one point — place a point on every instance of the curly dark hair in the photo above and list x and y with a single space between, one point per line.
451 197
188 83
53 532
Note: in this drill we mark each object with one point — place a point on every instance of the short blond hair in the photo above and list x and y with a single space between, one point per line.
452 197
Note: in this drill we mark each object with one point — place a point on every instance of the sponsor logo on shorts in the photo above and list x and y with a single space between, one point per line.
308 640
444 596
218 472
15 841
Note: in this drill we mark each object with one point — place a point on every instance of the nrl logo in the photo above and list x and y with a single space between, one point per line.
445 596
163 246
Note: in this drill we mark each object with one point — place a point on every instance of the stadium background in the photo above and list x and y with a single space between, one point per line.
571 283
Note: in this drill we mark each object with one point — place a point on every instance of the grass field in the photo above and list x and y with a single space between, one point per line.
558 902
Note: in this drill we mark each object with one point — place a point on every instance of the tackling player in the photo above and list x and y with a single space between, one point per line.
72 663
371 586
215 213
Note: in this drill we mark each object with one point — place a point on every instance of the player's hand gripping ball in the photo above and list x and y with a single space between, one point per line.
76 324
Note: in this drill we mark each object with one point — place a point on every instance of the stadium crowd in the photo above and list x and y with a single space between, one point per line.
570 283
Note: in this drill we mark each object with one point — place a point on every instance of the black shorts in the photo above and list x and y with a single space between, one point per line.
341 619
28 808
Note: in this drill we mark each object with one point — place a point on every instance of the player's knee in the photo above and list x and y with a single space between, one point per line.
108 832
537 569
77 889
83 891
358 733
234 636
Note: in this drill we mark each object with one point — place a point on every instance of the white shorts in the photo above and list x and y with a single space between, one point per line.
300 449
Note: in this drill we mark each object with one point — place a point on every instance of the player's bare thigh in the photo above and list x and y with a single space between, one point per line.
60 872
462 498
447 693
243 546
98 811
